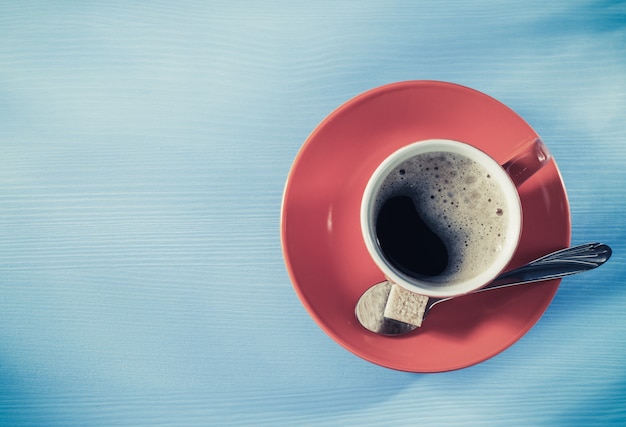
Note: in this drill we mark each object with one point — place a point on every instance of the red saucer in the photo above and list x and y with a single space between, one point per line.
325 253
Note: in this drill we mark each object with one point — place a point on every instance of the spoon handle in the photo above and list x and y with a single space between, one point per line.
555 265
575 259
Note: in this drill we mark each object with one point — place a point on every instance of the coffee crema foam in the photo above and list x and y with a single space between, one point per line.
460 202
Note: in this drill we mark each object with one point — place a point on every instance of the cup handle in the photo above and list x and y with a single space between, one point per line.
531 157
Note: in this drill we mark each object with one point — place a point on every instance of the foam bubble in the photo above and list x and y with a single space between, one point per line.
458 199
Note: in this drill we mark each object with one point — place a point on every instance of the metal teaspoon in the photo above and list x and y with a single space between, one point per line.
371 306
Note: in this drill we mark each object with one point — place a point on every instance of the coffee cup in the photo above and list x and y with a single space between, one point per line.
443 218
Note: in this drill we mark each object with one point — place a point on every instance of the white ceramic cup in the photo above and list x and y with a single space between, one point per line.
435 174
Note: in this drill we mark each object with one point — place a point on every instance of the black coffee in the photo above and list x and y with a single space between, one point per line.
440 217
410 245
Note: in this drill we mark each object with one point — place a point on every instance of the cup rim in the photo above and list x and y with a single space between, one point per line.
410 283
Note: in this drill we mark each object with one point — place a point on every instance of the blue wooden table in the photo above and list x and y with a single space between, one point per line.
144 148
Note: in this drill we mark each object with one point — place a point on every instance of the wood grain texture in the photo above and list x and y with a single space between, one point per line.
144 147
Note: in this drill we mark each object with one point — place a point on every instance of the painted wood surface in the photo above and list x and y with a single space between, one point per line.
144 148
